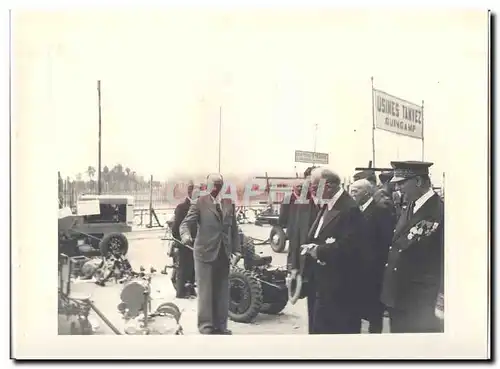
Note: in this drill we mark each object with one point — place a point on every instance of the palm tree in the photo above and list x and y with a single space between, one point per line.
105 176
91 172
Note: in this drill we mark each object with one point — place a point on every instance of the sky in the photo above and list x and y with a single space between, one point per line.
166 75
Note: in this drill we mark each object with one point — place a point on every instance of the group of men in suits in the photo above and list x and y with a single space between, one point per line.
361 256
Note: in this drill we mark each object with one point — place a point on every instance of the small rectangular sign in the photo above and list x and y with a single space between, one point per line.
311 157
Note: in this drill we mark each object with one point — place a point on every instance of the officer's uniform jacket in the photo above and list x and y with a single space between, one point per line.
414 272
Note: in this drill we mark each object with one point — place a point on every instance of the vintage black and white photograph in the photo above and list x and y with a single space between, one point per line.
258 172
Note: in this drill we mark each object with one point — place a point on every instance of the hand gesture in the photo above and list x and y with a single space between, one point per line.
187 240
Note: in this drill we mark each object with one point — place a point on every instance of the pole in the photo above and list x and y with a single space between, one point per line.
373 123
151 201
422 130
220 133
99 141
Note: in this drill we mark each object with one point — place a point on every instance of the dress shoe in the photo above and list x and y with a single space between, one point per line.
208 331
225 332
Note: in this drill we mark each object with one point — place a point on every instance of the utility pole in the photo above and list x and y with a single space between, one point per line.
99 140
315 142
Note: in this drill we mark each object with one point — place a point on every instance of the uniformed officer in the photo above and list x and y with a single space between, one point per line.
413 276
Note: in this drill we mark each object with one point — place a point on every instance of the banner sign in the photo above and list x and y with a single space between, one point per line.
397 115
311 157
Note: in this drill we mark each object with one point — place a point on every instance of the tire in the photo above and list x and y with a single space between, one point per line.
112 240
248 252
273 308
277 239
170 309
245 295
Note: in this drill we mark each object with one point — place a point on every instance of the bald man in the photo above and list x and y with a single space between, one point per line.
334 259
216 241
378 232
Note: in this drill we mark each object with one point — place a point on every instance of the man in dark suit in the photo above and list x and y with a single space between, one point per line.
413 277
216 241
184 276
378 231
305 211
334 258
300 216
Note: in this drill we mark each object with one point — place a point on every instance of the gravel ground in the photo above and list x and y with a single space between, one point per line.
146 249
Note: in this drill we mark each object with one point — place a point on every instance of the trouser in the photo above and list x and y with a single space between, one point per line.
375 317
185 271
332 317
213 293
311 299
415 320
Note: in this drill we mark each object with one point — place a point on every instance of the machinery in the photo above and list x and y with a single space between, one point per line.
256 288
101 215
135 307
271 216
96 249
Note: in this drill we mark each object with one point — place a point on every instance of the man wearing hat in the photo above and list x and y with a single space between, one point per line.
413 276
366 174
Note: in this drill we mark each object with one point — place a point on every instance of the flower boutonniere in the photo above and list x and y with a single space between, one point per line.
422 229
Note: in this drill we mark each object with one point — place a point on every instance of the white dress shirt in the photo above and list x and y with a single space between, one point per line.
421 201
330 205
215 200
366 204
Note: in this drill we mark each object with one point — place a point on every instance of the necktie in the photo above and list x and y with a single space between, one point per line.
219 210
320 220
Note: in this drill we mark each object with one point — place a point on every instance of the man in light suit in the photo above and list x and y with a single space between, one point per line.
216 241
334 257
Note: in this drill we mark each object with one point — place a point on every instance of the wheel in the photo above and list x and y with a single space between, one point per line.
277 238
114 243
273 307
168 308
245 295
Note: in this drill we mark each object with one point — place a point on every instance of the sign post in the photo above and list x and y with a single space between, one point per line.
311 157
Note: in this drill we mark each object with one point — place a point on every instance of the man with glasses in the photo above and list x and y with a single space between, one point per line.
216 241
334 258
413 276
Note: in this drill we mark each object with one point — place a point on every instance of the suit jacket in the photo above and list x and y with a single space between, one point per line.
287 214
339 279
214 231
304 216
414 273
180 213
378 232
